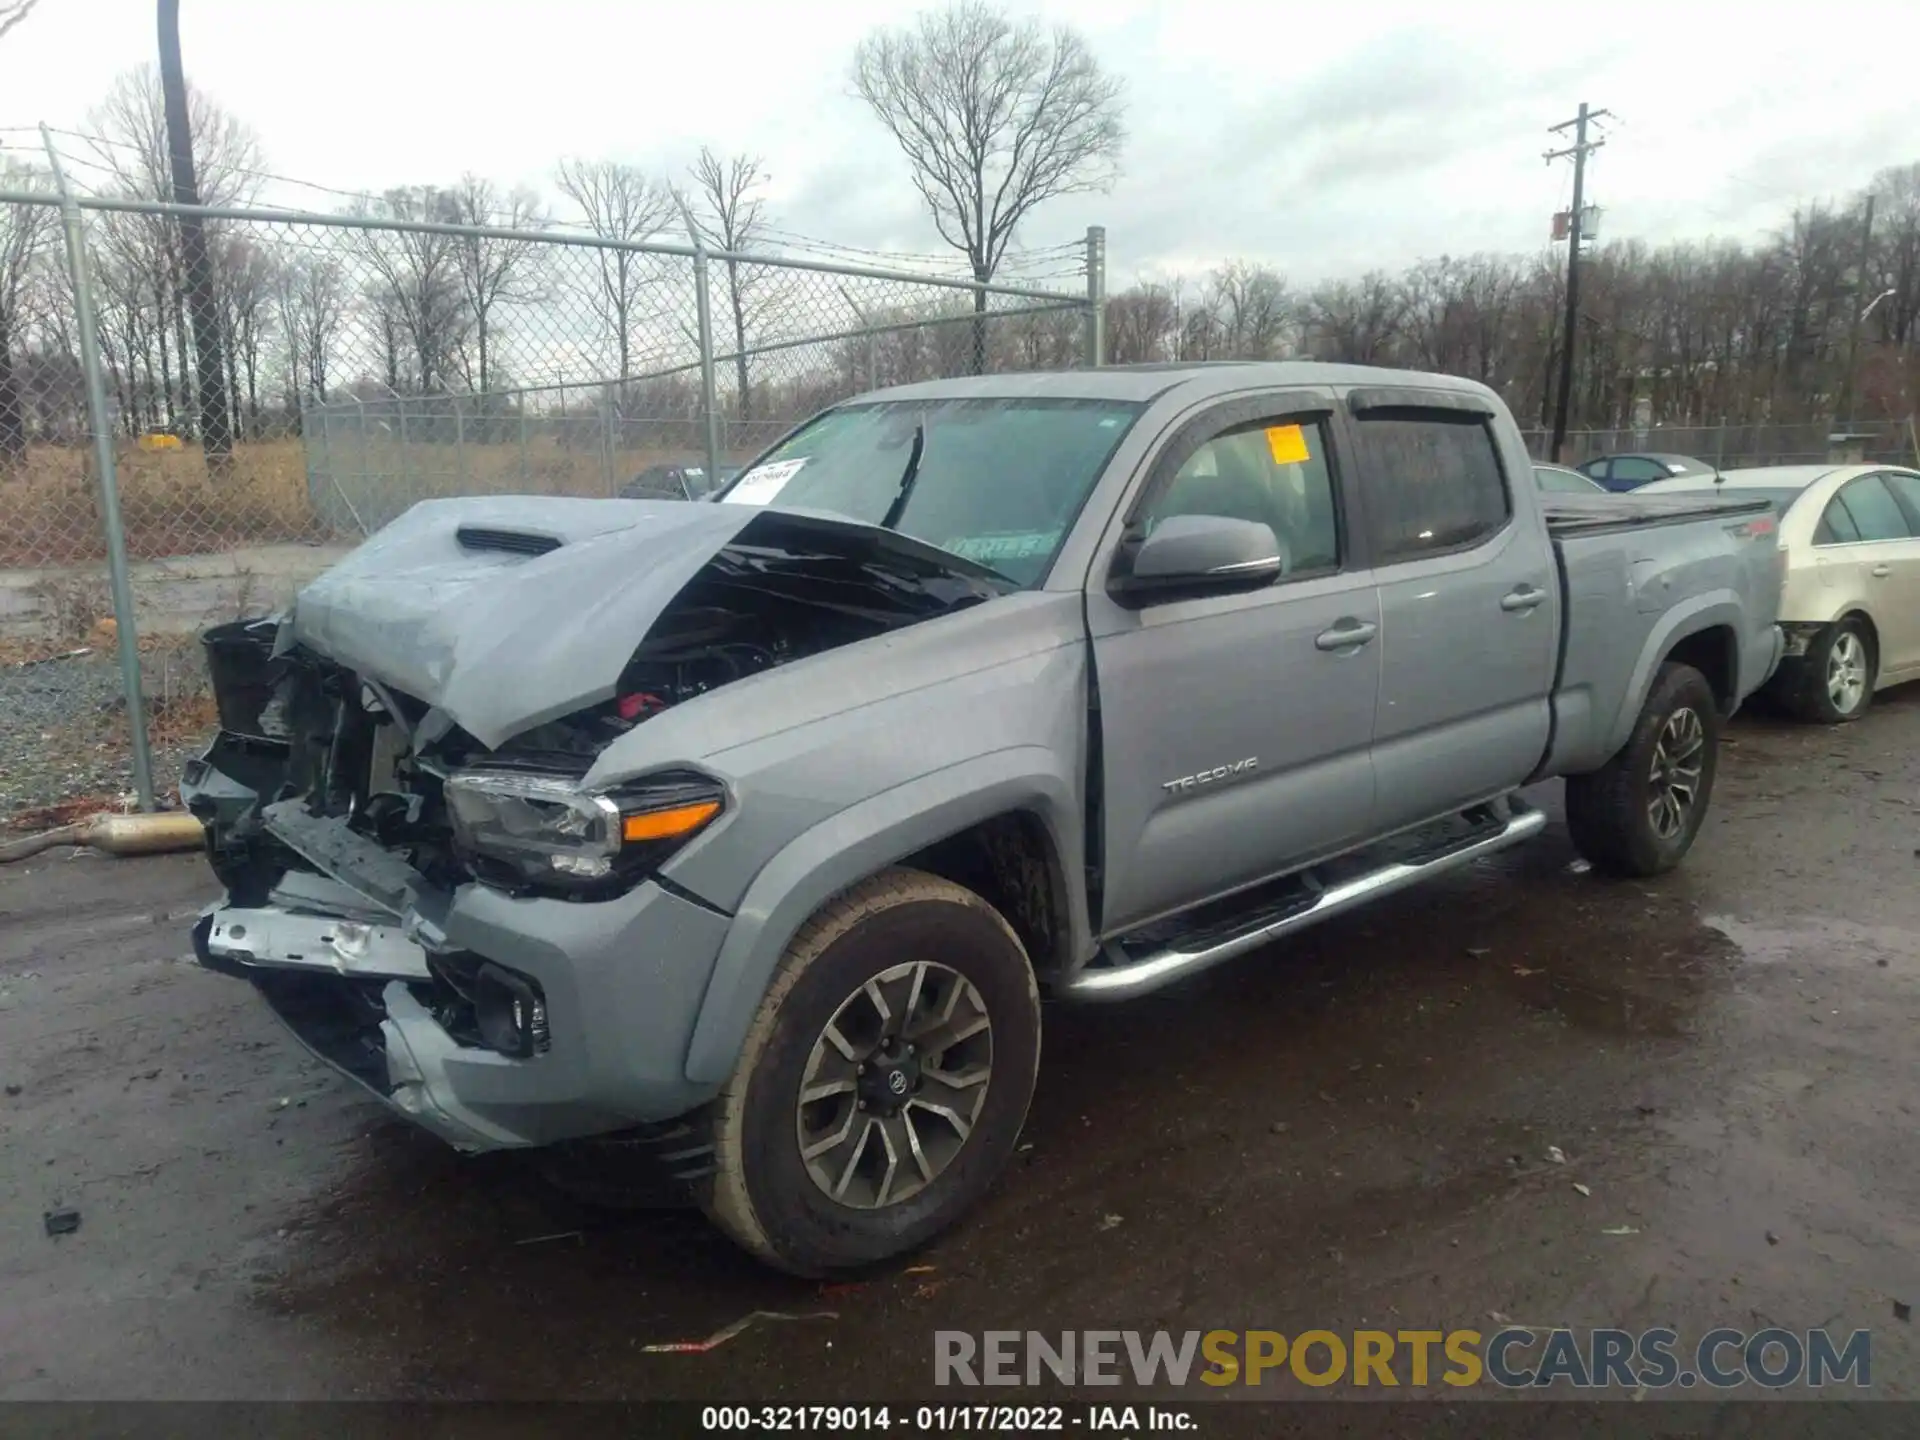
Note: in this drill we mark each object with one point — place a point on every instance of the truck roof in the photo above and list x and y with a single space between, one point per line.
1142 383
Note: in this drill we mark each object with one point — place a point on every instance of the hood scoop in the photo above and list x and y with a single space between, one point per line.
511 542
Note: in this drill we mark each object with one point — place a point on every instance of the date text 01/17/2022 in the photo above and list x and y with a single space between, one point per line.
946 1419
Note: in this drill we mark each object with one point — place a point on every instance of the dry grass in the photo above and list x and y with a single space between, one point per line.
49 510
50 514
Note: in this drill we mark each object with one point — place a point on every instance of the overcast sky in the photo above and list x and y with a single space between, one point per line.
1321 138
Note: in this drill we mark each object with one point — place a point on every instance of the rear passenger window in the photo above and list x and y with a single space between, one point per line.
1836 526
1874 511
1433 482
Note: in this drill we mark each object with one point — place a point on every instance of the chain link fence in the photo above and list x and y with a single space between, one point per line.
1732 447
215 404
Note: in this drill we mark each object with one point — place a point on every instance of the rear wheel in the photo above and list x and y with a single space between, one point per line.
1639 813
1833 681
884 1081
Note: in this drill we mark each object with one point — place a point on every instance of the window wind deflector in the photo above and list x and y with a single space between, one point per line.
1407 397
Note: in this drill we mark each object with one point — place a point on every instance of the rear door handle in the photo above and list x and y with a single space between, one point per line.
1349 634
1880 572
1524 597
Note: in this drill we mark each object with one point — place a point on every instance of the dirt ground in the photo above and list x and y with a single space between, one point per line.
1353 1129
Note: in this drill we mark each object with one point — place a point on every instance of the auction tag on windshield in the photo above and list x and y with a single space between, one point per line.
761 484
1287 444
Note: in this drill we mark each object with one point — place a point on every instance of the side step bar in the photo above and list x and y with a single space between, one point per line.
1137 977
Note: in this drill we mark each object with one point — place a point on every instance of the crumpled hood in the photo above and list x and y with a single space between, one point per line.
498 638
504 612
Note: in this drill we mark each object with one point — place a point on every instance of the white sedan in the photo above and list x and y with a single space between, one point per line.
1851 604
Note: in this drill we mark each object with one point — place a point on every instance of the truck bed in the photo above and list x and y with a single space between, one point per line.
1592 514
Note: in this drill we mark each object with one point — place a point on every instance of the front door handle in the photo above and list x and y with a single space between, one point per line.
1881 571
1349 634
1523 597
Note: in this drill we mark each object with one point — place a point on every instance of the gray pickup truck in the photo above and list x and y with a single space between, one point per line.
749 832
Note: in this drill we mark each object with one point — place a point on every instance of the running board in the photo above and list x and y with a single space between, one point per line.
1136 977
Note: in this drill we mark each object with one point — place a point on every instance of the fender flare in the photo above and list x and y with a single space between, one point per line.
855 843
1701 612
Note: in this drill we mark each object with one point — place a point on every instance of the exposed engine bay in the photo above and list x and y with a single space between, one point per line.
343 810
353 748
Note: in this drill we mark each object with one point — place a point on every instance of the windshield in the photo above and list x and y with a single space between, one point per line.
999 480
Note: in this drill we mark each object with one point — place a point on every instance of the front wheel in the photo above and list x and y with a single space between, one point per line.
1638 814
884 1081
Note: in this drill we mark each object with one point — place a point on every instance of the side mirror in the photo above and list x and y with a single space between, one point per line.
1188 555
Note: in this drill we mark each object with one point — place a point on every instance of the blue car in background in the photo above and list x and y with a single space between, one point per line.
1620 473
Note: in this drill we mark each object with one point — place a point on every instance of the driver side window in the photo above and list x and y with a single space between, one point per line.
1273 472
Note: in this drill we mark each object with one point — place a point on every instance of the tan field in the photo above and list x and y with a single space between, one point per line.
49 509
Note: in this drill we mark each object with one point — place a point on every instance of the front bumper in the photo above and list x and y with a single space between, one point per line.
350 974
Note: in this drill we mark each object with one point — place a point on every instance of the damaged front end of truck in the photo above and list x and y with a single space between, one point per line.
433 874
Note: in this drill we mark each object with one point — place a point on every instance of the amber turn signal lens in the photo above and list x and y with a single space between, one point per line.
665 824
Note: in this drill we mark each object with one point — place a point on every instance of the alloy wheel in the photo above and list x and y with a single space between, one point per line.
1678 759
894 1085
1847 672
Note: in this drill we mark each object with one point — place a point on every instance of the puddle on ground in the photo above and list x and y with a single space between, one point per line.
1825 942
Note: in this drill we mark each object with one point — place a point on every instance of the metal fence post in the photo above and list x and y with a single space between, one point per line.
459 445
1096 324
526 472
703 316
606 436
406 484
367 486
101 423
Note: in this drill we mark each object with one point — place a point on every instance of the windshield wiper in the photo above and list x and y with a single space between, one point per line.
891 520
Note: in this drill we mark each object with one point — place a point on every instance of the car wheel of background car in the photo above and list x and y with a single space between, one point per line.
884 1081
1638 813
1833 682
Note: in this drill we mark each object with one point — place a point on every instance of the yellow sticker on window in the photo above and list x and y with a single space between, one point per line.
1288 444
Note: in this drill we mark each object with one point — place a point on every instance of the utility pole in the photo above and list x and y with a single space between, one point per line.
1845 403
1579 150
203 315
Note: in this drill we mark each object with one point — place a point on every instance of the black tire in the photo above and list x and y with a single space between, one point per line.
762 1192
1610 811
1806 689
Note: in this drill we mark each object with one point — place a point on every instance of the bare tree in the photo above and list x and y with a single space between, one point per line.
1142 324
132 146
1357 321
621 204
24 233
12 12
493 269
995 117
1253 308
248 274
416 294
311 297
729 213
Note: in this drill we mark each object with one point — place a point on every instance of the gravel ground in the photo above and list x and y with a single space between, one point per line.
63 730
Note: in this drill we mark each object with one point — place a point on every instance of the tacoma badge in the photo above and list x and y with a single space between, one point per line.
1209 777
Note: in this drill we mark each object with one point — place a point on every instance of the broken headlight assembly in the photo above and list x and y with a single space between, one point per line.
545 832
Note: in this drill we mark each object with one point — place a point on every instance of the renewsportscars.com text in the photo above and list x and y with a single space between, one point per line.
1514 1357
